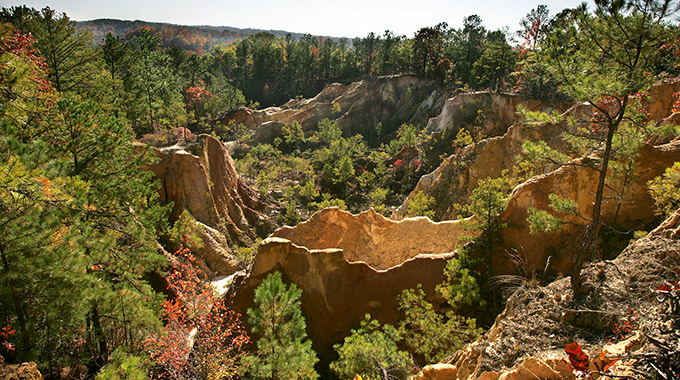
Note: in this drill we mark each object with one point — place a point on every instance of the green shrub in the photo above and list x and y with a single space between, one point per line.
666 191
124 366
372 351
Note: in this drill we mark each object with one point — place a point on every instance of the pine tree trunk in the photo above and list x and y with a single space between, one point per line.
21 314
99 335
594 228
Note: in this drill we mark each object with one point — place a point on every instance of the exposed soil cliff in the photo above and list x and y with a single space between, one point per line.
454 180
349 265
369 237
358 108
631 210
498 111
663 98
200 178
529 337
459 174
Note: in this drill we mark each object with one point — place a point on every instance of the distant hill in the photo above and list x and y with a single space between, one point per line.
200 38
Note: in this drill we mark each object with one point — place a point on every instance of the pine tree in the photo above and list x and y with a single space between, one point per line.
66 50
78 220
603 57
282 351
431 334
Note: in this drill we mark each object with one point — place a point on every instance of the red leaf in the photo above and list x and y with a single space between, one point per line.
668 287
8 346
6 331
577 358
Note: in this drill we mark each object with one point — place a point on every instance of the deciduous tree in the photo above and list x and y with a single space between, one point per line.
202 337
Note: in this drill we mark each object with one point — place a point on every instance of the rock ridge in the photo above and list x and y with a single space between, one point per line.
339 285
358 107
200 178
530 335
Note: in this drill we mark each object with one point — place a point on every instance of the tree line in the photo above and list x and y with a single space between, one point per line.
154 86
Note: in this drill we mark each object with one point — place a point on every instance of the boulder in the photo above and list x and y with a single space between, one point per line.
358 108
201 178
354 264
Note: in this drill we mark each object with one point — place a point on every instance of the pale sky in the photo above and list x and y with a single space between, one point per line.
339 18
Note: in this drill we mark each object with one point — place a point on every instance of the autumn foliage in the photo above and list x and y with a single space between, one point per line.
202 337
22 45
194 95
580 361
577 358
5 333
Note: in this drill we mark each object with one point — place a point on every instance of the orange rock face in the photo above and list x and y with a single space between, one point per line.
662 98
455 179
369 237
458 175
357 107
202 180
530 368
527 340
499 111
349 265
632 211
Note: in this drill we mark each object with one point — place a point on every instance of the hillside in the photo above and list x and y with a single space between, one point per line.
627 326
199 38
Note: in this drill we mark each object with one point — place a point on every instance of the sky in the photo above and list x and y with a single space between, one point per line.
339 18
